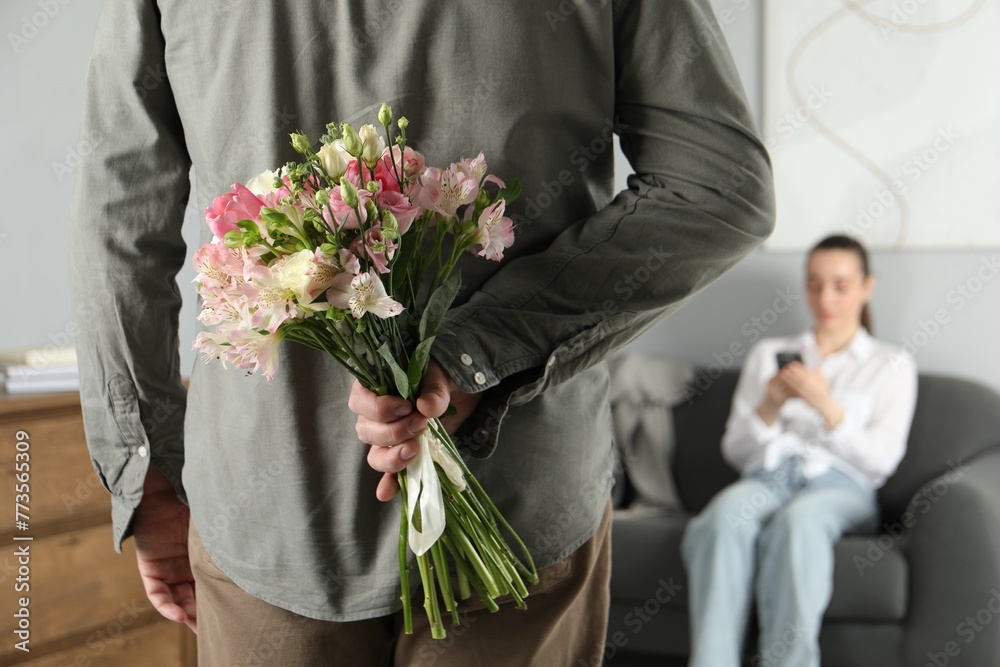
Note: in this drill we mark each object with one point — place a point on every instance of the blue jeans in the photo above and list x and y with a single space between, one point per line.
771 533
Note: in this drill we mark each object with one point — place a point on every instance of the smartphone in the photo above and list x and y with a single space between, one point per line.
785 358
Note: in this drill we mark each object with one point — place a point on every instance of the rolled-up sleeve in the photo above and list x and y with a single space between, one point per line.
700 200
126 249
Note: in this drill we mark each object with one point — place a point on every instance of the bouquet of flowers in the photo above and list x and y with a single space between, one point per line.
352 251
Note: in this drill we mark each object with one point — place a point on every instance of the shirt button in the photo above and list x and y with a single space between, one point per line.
479 378
141 451
466 359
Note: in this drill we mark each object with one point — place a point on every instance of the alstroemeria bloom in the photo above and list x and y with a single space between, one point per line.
271 302
228 209
365 293
253 351
444 190
495 233
218 268
376 248
475 169
308 273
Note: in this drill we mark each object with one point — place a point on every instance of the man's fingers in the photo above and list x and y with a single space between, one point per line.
388 487
162 600
389 434
392 459
435 392
370 405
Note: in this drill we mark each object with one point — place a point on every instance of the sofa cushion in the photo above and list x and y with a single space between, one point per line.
954 420
870 576
699 423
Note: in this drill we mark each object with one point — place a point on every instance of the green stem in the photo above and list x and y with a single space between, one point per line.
404 569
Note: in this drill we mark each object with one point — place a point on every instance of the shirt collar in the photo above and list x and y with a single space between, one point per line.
860 347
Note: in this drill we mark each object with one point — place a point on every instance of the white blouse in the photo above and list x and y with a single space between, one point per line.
874 382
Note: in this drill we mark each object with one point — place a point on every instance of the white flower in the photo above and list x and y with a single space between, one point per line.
307 274
334 159
364 294
373 145
262 183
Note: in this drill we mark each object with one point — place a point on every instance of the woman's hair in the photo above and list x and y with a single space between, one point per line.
841 242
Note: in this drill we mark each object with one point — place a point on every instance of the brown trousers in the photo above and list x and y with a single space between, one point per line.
564 625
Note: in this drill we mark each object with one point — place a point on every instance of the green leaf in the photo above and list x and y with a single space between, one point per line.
401 263
418 362
402 382
512 191
438 305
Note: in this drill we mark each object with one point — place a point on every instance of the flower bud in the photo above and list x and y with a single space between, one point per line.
403 123
390 226
300 143
352 142
348 193
334 159
328 249
385 114
322 198
371 186
373 145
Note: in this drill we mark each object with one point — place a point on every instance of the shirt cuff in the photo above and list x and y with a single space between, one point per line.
761 432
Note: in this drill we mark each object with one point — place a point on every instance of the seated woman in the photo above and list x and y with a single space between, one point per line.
813 441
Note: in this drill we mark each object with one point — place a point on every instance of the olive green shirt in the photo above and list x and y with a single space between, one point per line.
274 474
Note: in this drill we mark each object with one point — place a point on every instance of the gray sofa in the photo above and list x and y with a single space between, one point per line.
925 591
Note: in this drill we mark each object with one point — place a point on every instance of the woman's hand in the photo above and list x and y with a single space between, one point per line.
811 386
389 423
778 391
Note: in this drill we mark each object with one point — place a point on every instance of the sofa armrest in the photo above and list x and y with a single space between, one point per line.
954 555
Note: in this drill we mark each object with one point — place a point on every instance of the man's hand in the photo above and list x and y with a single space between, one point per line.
161 549
389 423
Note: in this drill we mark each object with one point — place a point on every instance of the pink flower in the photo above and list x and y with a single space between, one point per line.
413 163
253 351
228 209
376 248
445 190
364 293
475 169
270 301
399 205
383 176
339 215
495 233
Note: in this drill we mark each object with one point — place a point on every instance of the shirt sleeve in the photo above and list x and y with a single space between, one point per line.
125 234
747 435
877 446
690 138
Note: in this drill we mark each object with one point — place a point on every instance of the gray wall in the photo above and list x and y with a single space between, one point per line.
43 79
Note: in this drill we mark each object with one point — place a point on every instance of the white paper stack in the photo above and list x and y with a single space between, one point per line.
39 370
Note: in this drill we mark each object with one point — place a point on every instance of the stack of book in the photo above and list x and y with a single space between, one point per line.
38 370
